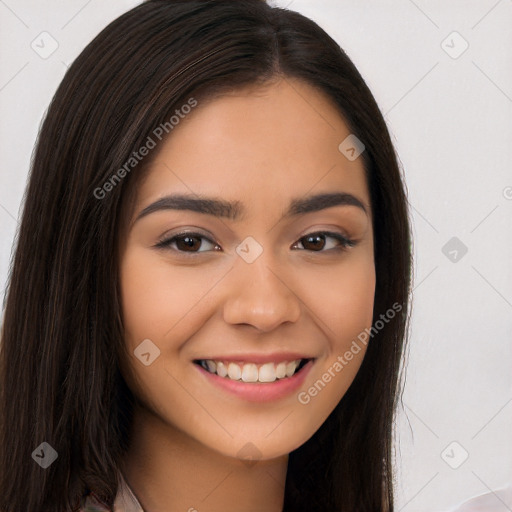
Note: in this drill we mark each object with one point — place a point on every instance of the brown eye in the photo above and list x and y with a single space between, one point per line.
186 242
316 242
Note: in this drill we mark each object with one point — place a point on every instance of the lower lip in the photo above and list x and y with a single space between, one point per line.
259 391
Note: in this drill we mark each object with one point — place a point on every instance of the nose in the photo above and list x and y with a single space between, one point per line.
260 296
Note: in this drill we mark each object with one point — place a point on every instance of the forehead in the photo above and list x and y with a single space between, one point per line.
259 145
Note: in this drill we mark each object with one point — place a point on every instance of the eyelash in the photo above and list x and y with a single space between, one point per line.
345 243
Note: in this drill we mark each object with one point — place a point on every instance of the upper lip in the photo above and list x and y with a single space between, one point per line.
276 357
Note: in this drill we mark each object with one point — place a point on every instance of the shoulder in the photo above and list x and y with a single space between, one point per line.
93 504
125 501
494 501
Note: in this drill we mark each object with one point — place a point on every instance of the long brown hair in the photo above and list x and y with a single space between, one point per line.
62 335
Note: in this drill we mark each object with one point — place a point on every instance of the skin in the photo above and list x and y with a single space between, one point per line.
261 146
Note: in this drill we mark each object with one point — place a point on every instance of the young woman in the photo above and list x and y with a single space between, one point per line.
208 302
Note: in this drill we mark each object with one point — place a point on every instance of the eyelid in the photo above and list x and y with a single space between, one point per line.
345 241
164 240
326 231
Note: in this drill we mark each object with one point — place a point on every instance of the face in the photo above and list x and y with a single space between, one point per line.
278 277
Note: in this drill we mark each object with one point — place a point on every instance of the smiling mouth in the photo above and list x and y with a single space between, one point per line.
251 372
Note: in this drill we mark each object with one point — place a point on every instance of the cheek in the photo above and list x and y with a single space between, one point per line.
156 297
353 305
170 303
344 299
165 302
344 305
160 303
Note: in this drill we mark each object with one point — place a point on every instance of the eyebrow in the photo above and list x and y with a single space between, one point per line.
234 210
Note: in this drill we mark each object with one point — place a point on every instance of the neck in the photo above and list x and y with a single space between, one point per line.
168 471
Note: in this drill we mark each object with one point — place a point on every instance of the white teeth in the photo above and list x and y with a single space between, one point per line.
251 372
290 368
267 372
234 371
281 370
222 371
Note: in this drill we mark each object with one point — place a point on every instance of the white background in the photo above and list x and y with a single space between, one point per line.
451 121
